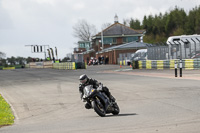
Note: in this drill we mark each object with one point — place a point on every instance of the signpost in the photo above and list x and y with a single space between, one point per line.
39 49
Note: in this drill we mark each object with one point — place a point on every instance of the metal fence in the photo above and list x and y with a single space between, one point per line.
124 58
178 49
157 52
189 49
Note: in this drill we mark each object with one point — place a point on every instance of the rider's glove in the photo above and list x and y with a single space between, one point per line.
80 86
100 88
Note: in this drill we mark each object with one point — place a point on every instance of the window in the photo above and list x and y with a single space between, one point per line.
97 42
114 40
124 39
130 39
107 40
82 45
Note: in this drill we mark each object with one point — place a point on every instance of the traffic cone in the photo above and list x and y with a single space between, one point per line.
120 66
130 66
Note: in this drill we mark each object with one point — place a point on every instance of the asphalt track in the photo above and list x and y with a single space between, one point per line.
151 101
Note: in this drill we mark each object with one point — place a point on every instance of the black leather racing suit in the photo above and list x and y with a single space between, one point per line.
95 84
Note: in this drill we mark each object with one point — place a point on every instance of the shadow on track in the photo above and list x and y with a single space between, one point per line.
126 114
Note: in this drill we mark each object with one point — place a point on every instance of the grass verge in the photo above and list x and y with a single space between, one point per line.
6 115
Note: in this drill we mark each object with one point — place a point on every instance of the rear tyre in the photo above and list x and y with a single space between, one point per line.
116 109
99 108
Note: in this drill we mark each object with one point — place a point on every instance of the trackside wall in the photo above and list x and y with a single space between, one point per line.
169 64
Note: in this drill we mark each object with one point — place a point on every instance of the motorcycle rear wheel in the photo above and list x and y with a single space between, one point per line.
116 109
98 108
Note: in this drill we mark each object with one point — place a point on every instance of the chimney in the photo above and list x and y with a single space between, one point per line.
116 18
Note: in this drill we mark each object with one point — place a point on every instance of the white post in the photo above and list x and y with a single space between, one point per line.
102 40
141 39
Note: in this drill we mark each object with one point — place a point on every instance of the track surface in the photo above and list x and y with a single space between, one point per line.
151 101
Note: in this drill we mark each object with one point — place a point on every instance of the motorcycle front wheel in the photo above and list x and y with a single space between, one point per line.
99 108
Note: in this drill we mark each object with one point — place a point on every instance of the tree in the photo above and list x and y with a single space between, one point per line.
190 23
2 55
84 31
197 21
105 25
175 20
29 59
20 60
12 60
65 59
135 24
126 22
179 31
2 62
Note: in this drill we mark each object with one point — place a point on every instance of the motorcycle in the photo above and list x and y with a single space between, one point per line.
99 101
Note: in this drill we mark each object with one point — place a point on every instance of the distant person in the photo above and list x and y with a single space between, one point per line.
102 59
106 60
99 60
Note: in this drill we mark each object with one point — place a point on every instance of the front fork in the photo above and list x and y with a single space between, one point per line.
98 100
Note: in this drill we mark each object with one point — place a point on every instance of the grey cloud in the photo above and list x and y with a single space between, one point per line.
24 22
5 19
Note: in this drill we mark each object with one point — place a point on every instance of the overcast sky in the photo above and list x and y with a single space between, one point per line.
50 22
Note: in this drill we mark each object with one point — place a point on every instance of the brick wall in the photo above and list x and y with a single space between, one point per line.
114 55
87 57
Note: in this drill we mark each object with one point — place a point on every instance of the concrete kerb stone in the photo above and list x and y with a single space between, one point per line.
160 73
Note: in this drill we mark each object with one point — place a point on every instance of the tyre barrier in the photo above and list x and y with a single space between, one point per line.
8 68
11 68
70 65
65 66
27 66
36 65
188 64
124 63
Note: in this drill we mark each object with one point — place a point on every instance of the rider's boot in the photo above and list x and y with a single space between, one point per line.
112 99
88 105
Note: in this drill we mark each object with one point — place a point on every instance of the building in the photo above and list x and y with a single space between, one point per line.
111 42
114 54
83 46
114 35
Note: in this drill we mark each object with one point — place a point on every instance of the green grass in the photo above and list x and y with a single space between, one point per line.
6 115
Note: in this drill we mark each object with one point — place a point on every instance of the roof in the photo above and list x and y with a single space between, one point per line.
120 29
131 45
88 51
84 41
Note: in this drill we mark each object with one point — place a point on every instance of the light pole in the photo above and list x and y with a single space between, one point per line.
102 40
56 53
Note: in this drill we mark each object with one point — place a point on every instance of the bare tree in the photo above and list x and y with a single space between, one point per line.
105 25
126 22
84 31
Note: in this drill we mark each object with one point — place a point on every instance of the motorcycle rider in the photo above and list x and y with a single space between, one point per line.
85 80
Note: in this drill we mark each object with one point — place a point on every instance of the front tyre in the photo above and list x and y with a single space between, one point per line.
116 109
98 108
